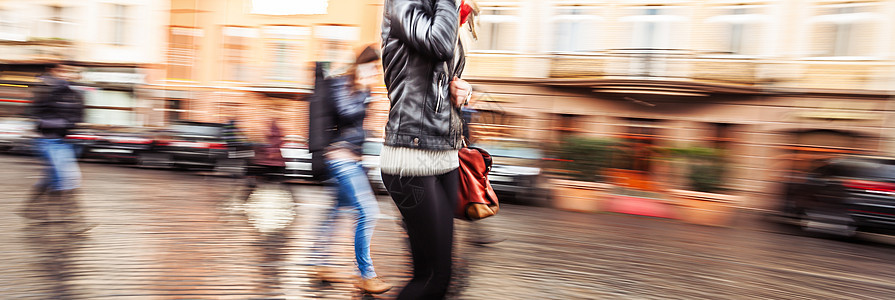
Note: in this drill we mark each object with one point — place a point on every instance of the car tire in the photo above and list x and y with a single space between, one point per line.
230 166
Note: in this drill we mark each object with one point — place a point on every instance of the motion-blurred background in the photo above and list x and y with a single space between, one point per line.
704 112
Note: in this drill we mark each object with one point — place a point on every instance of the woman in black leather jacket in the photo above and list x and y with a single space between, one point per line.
423 60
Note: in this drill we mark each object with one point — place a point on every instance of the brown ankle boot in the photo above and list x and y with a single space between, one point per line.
374 285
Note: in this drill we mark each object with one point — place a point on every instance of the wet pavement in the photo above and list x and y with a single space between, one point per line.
164 234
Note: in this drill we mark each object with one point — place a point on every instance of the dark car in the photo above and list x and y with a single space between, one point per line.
125 144
82 139
516 170
844 195
212 146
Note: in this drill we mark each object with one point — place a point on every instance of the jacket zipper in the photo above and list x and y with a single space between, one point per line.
440 94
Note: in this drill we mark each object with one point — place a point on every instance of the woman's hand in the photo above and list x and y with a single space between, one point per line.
461 91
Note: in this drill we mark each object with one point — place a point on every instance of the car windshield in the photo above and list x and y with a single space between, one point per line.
196 130
872 169
372 148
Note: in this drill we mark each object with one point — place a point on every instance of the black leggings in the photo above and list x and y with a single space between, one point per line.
427 205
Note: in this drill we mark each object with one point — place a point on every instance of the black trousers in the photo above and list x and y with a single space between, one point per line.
427 205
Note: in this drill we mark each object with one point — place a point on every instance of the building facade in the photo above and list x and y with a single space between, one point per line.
115 41
763 80
252 60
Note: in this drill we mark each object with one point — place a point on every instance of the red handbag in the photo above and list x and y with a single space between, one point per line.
477 199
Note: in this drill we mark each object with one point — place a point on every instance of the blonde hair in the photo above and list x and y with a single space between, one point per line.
473 18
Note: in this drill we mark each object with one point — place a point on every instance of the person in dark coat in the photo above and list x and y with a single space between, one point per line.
56 109
269 156
268 165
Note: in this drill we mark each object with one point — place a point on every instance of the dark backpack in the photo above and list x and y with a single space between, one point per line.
322 123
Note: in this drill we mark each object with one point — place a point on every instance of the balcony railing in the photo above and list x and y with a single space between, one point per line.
657 64
686 65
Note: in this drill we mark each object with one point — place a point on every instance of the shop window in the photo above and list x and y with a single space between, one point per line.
639 141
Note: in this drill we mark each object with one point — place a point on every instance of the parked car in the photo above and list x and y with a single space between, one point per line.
298 158
201 145
16 135
82 138
372 149
516 170
844 195
122 144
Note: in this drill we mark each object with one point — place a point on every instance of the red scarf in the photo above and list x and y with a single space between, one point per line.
465 10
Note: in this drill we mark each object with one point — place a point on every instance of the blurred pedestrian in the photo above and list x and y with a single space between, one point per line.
56 109
349 95
268 164
423 60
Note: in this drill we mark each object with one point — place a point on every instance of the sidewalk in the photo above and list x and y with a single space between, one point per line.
176 235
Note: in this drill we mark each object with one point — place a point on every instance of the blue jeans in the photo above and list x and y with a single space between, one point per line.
62 172
354 191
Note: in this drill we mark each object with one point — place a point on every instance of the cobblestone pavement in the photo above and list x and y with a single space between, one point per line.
165 234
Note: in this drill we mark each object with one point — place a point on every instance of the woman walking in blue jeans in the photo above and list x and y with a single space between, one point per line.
348 96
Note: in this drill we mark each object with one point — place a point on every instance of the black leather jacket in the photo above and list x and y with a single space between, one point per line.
56 107
419 42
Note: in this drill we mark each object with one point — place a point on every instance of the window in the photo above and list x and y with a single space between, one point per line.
575 28
640 139
174 110
237 41
279 7
845 30
499 29
10 28
286 46
738 29
118 22
656 27
722 134
183 44
655 31
56 24
335 43
6 23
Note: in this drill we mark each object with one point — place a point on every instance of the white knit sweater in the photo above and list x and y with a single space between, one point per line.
404 161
